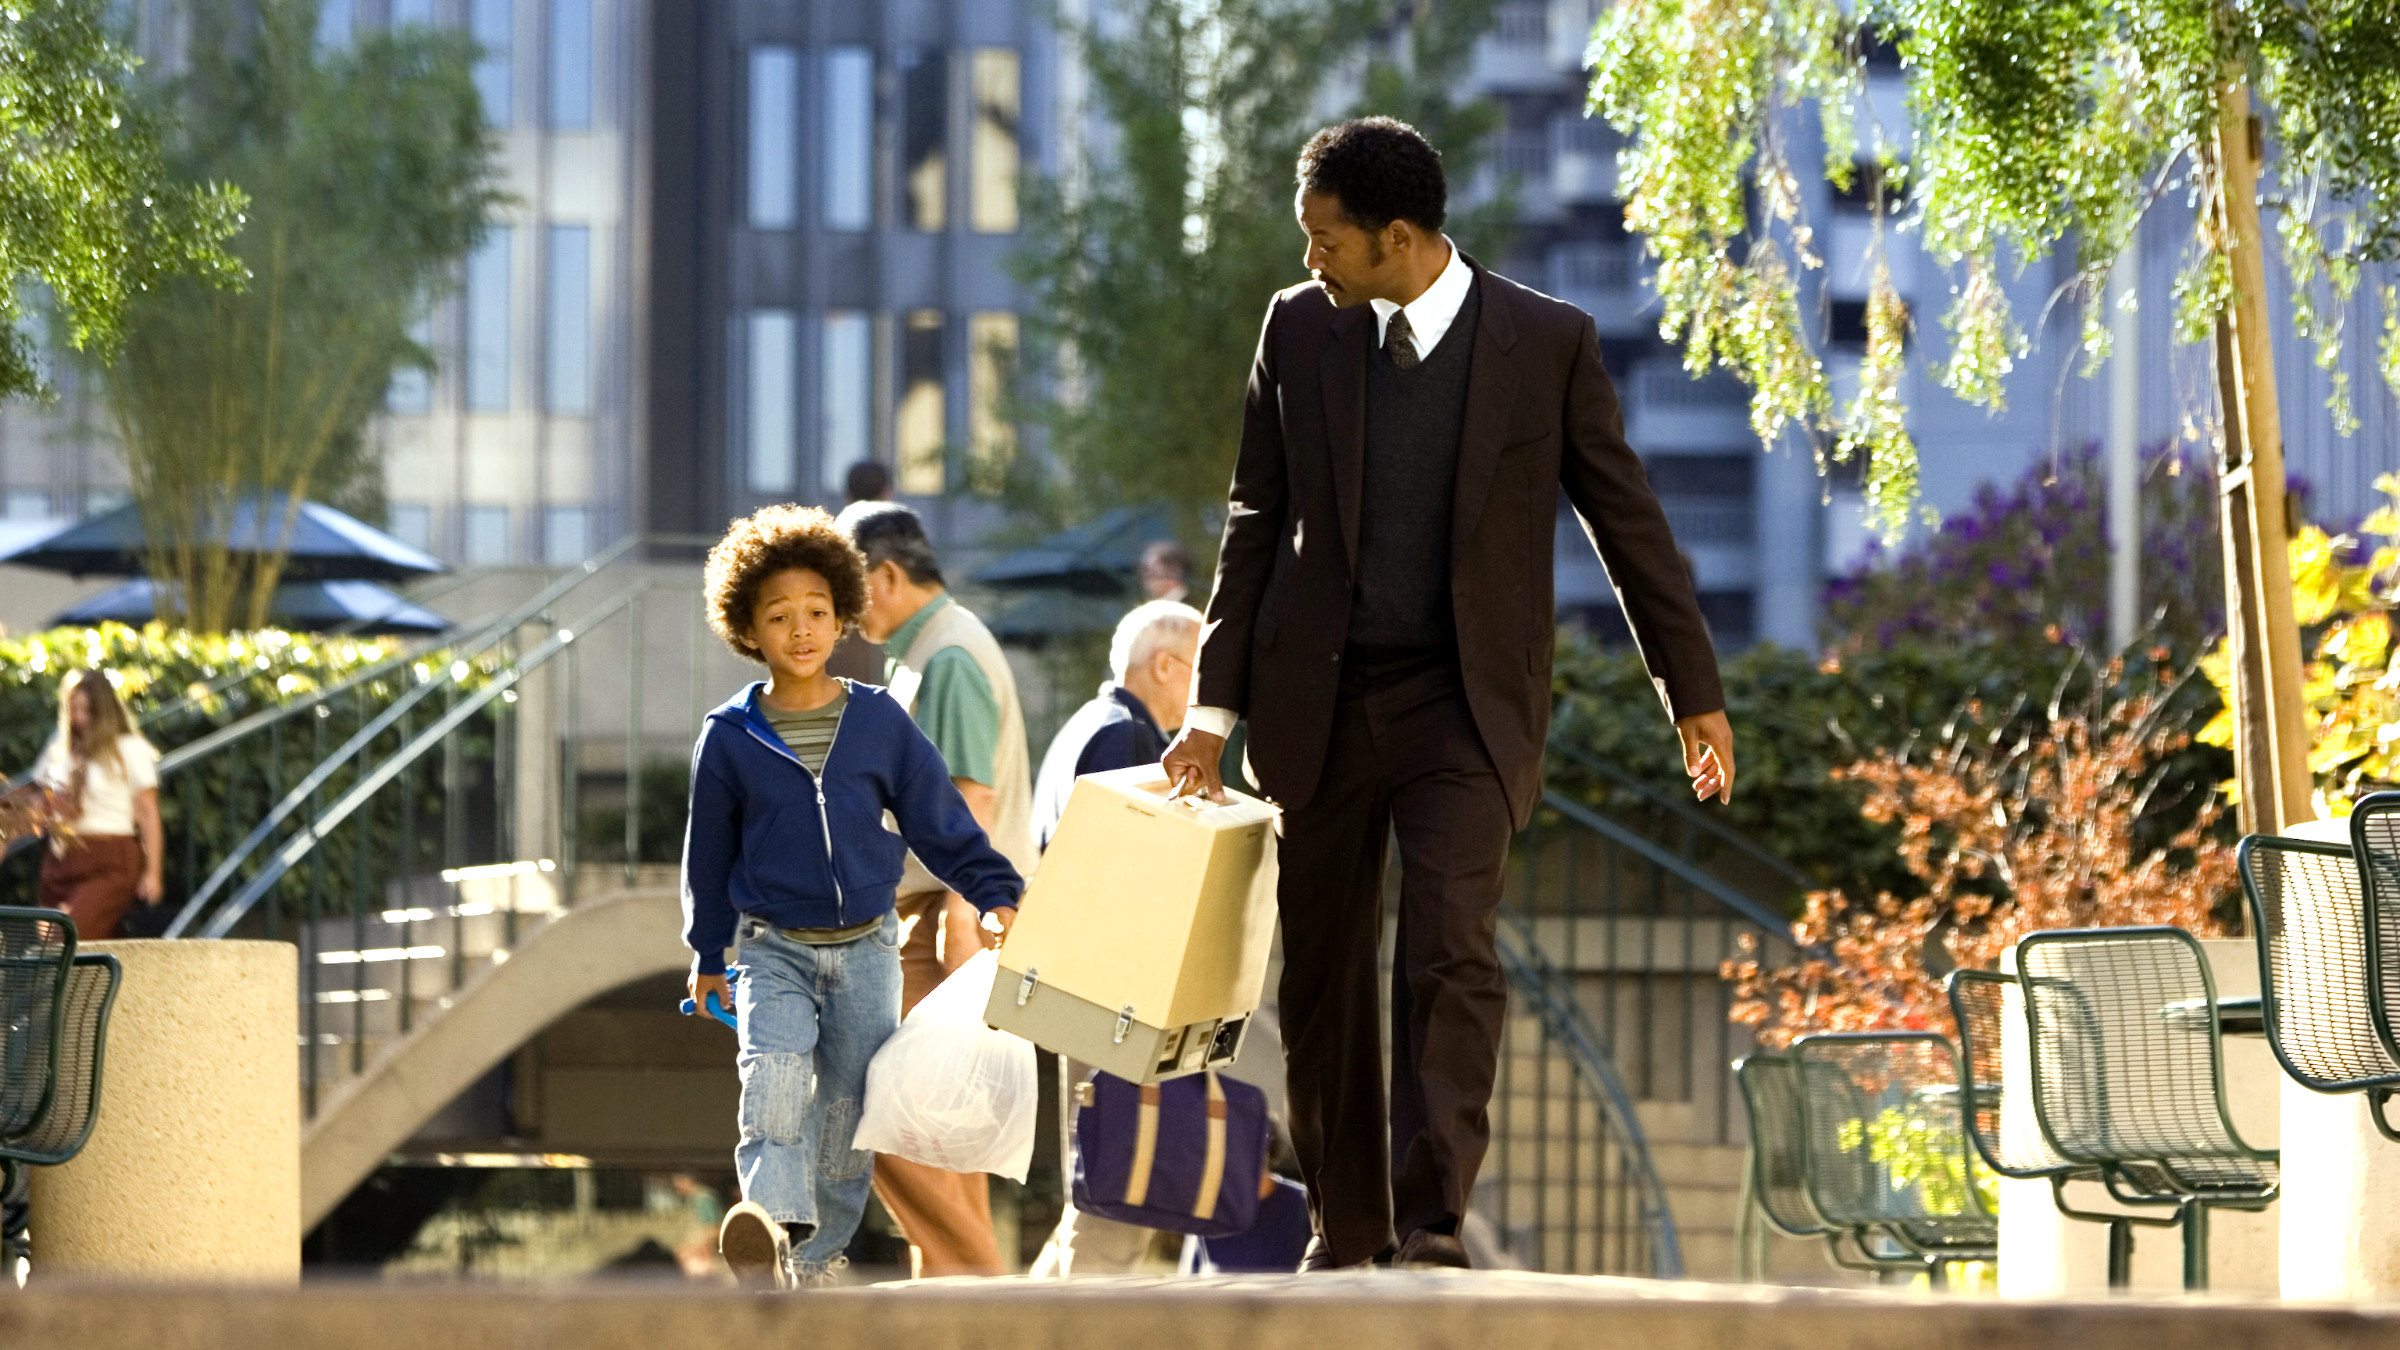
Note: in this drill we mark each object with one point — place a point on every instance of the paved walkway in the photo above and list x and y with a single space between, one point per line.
1381 1311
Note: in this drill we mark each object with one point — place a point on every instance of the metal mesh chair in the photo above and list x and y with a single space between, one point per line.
1885 1152
37 947
60 1131
2128 1074
1771 1098
2316 950
2019 1149
2375 838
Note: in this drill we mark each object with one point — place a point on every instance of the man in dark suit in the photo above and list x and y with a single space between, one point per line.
1383 616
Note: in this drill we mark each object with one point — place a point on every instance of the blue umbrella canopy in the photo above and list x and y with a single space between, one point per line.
326 545
302 606
1098 557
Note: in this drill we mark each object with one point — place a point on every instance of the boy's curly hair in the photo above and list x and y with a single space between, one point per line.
768 541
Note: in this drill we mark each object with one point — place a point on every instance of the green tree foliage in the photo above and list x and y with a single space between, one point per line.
87 212
1154 254
370 174
2035 124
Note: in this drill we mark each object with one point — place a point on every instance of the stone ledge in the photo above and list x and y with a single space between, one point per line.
1337 1312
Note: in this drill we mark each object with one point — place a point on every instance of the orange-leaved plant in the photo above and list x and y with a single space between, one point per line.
2046 816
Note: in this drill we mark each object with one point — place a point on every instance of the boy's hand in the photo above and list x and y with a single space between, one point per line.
701 986
993 929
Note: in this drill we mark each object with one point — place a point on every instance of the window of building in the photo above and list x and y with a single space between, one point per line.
924 411
1709 499
924 139
486 541
849 139
26 504
845 394
406 12
411 389
992 203
774 138
411 524
491 23
333 23
567 321
991 359
571 64
566 535
774 399
487 323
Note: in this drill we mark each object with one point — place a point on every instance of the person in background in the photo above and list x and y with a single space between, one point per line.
1128 721
107 847
945 667
854 657
787 860
1125 725
1166 570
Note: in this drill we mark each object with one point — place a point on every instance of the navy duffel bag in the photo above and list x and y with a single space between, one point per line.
1185 1155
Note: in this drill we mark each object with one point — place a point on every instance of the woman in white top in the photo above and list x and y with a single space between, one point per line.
107 845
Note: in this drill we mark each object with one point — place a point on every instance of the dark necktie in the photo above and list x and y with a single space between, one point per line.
1398 342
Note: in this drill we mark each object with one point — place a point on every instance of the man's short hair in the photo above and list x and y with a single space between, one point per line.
1165 557
774 539
890 532
1380 169
1146 629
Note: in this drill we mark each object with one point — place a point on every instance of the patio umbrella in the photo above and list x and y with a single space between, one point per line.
360 607
326 545
1098 557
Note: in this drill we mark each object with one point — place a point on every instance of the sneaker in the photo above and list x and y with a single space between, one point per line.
755 1247
828 1278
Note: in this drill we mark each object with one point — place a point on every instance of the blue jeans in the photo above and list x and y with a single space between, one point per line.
811 1017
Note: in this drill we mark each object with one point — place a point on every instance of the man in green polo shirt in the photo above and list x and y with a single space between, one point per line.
949 672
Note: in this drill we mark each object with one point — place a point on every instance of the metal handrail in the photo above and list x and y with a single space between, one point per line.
1686 813
1569 1026
368 784
1678 867
490 636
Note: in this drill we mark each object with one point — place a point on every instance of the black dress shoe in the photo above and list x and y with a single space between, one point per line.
1319 1256
1428 1250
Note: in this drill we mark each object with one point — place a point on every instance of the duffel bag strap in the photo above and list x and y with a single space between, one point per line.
1145 1147
1212 1170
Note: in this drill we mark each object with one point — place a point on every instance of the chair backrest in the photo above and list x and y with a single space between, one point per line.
2127 1059
2308 910
36 949
2375 838
1979 1003
1881 1114
82 1046
1778 1160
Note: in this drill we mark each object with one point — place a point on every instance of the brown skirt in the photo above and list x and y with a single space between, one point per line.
93 881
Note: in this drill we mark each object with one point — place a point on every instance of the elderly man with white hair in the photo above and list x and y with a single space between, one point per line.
1129 720
1126 724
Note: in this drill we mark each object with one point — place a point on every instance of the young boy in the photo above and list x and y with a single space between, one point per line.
787 860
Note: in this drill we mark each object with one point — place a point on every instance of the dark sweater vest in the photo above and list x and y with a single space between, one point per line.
1414 419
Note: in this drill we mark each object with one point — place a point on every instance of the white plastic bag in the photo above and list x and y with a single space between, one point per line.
948 1091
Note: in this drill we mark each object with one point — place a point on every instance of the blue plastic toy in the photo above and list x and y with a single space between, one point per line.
716 1006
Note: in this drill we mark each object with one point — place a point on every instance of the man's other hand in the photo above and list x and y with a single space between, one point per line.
1708 755
1191 763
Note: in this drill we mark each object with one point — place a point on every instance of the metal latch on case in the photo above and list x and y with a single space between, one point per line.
1124 1024
1025 986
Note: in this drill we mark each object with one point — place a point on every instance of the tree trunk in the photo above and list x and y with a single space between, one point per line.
2270 736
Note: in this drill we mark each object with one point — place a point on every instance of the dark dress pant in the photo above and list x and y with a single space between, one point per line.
1405 760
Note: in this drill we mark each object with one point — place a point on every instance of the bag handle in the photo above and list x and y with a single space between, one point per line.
1212 1169
1145 1147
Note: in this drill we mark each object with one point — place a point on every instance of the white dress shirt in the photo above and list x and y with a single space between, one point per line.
1429 317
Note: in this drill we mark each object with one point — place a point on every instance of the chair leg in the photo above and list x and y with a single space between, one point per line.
1937 1275
2120 1253
2195 1245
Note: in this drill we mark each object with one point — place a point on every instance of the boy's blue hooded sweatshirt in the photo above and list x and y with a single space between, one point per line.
768 838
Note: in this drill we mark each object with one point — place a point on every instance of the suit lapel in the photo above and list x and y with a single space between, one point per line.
1491 397
1342 375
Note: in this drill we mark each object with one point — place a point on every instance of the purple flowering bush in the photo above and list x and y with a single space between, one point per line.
2028 562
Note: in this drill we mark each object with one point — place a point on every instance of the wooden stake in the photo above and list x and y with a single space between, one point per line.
2270 720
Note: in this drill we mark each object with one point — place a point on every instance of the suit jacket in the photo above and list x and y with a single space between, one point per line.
1541 417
